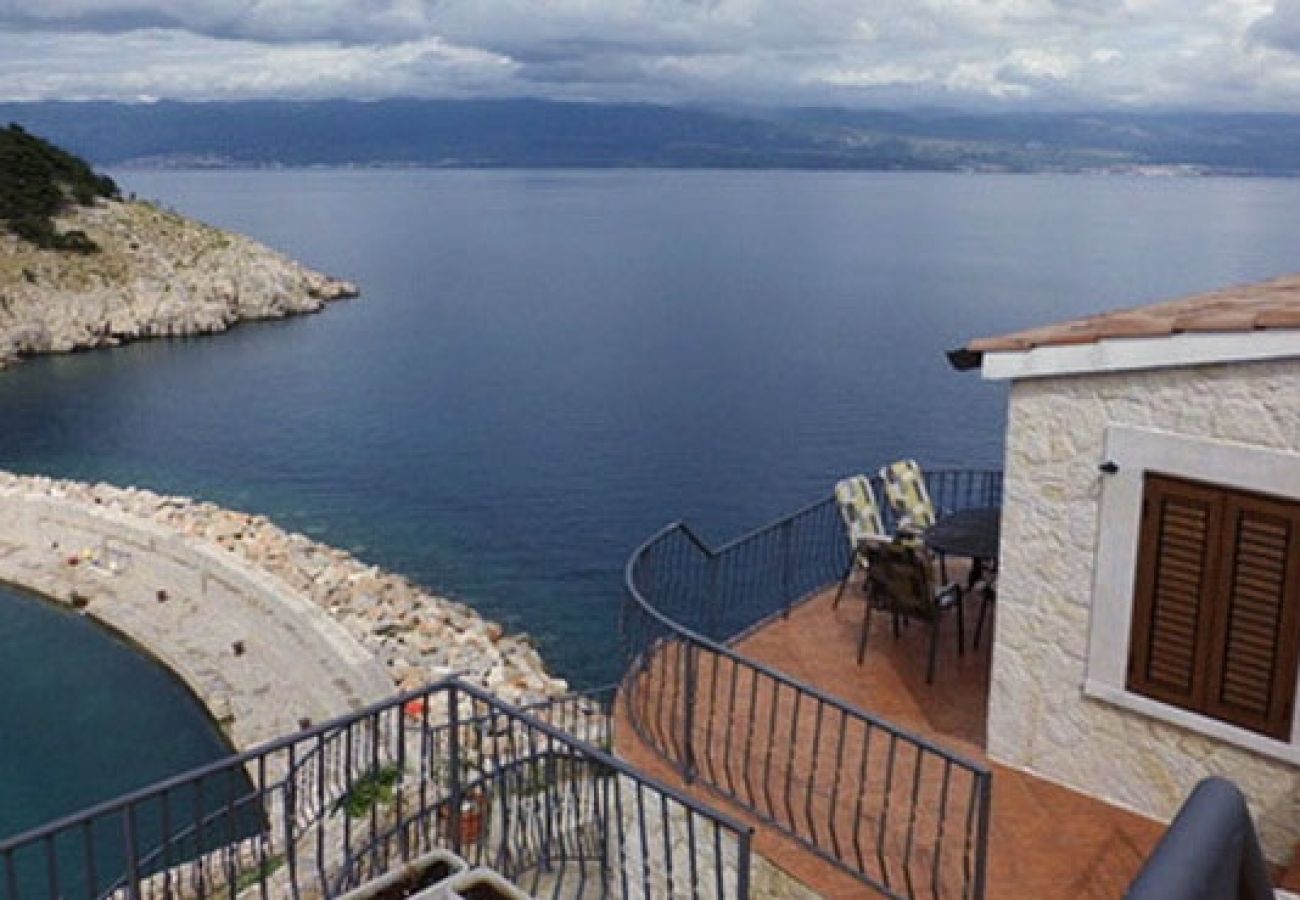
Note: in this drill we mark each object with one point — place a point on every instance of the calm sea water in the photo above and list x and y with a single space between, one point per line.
84 717
546 367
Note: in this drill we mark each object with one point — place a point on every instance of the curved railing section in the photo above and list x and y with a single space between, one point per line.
531 793
891 808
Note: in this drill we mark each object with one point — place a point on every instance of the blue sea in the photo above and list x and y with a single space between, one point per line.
545 367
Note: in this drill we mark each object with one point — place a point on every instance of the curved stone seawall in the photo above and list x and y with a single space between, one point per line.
268 628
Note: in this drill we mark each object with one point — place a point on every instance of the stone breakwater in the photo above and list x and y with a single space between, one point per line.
267 627
157 274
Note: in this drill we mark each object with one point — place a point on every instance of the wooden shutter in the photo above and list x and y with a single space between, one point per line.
1253 662
1175 581
1216 607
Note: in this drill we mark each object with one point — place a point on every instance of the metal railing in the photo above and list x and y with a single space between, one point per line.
1210 852
893 809
531 793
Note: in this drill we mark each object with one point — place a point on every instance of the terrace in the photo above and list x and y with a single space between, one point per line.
752 755
745 686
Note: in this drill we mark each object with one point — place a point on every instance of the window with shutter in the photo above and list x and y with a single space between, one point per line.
1216 616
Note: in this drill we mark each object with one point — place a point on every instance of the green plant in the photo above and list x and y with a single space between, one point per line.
375 788
259 873
37 181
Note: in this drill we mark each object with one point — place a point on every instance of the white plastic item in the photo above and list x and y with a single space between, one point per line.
414 869
459 886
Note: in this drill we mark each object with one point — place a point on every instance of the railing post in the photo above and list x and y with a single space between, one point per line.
454 787
132 859
712 603
787 563
289 791
690 667
982 837
742 864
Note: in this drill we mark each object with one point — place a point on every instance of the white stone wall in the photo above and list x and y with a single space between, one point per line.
1039 718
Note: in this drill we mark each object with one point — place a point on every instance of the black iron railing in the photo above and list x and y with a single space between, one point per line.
1210 852
533 794
902 814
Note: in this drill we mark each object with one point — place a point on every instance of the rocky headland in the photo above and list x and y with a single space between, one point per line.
155 274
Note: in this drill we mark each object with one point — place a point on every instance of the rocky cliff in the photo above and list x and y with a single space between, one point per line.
156 274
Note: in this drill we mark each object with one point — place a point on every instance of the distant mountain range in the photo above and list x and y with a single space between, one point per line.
537 133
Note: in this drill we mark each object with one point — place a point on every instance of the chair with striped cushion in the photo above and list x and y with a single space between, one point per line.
901 580
862 522
907 495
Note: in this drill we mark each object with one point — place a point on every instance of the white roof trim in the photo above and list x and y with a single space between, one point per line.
1124 354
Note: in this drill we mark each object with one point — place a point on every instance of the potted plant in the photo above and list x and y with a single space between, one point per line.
473 799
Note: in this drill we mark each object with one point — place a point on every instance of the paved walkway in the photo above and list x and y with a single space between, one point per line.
260 657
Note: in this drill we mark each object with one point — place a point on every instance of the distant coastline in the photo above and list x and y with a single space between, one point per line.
157 274
187 163
528 133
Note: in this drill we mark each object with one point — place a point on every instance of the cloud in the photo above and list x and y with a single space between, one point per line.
197 68
1241 54
1280 28
359 21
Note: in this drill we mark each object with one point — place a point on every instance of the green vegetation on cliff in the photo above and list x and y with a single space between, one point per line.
37 181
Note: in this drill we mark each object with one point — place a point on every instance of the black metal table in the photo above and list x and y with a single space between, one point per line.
972 533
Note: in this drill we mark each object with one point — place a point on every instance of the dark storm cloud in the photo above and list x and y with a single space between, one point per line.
272 21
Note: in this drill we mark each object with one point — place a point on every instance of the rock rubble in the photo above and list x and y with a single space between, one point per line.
417 636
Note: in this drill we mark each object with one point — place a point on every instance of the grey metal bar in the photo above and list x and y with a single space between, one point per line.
1210 852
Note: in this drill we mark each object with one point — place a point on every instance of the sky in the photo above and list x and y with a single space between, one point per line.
1232 55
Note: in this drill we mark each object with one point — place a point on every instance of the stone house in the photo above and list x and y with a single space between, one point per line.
1149 588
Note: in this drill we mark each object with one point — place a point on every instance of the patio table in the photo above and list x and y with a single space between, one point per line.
973 533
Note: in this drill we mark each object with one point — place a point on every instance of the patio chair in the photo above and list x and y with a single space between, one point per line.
909 499
862 522
907 495
901 580
987 585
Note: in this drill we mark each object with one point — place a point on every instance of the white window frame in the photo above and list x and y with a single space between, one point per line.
1137 451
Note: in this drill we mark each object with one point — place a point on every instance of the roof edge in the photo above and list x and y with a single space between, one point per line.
963 359
1134 354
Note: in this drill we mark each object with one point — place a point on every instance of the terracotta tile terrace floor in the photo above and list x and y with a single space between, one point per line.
1045 840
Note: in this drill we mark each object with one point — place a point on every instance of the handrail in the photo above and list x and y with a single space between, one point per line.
1209 852
685 633
440 766
757 737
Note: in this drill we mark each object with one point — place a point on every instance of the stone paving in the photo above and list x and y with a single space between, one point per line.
1045 840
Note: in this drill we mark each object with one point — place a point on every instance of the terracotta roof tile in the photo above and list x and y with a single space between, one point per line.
1279 317
1251 307
1217 320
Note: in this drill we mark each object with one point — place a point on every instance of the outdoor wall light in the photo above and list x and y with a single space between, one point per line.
1109 467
